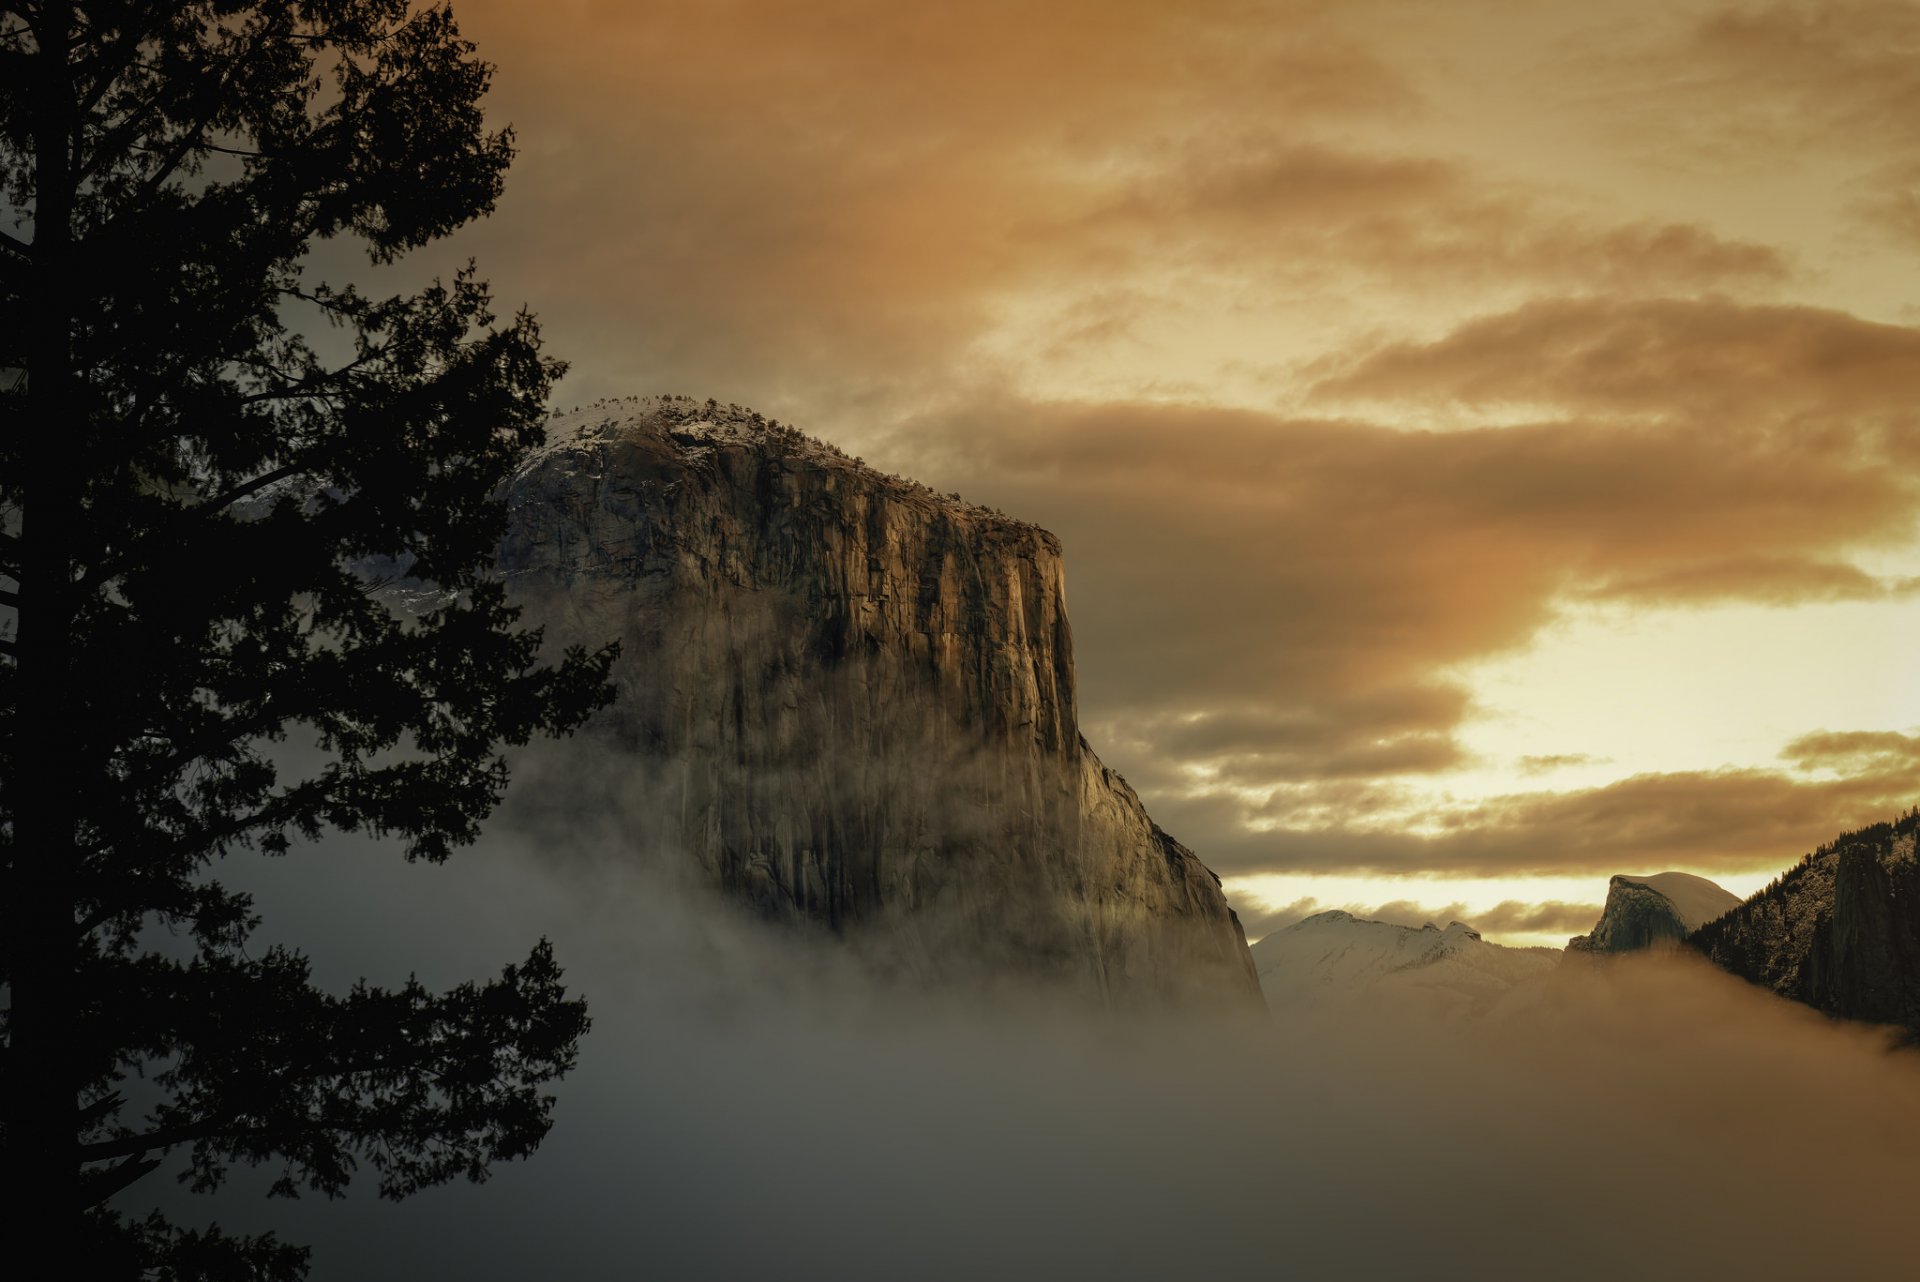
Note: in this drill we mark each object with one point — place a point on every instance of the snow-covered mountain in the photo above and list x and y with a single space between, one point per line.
1664 907
1334 958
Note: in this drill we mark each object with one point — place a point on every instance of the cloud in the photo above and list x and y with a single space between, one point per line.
1825 87
1032 252
1770 580
1547 762
742 1110
1384 731
856 209
1279 599
766 203
1884 751
1300 212
1887 199
1730 820
1835 74
1662 359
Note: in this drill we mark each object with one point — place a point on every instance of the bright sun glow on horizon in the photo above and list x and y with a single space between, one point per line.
1687 689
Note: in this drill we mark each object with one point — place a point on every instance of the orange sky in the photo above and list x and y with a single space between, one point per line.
1482 433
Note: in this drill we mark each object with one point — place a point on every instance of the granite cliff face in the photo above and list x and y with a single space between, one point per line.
848 700
1840 931
1661 909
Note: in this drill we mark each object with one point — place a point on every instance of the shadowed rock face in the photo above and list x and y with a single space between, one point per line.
849 701
1645 912
1840 931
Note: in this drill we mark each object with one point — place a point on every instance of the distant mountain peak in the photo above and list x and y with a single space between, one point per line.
1334 957
1655 909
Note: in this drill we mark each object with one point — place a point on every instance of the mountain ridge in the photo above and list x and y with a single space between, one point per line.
1839 931
1334 958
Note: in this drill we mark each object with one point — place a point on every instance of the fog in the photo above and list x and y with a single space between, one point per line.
749 1105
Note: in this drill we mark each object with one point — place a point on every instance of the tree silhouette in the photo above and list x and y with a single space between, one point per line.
192 497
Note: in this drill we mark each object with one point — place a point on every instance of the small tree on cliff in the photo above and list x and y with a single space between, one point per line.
186 488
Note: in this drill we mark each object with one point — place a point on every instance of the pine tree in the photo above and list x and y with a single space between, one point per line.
191 492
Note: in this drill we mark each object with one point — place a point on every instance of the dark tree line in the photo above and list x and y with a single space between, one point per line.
186 491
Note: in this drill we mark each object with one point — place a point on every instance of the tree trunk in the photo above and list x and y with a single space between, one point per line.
42 1151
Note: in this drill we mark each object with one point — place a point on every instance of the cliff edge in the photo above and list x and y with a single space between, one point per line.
848 700
1657 910
1840 931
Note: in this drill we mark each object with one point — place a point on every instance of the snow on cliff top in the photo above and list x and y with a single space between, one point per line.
1697 900
696 426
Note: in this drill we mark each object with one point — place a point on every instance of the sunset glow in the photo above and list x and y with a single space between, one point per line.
1482 434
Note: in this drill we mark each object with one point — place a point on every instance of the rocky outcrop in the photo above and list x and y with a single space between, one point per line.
1840 932
848 700
1657 910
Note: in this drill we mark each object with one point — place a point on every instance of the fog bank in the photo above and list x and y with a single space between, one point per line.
749 1106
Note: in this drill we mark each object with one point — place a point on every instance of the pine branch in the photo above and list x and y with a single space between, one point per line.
106 570
134 1146
98 1186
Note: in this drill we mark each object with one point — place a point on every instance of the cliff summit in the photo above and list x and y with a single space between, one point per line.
849 701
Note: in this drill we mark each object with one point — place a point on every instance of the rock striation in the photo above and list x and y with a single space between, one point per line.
1840 931
1657 910
849 701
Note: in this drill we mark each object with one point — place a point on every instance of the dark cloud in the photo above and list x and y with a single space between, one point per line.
1770 580
1298 211
806 206
1827 74
1885 751
1543 763
1369 733
1667 359
823 212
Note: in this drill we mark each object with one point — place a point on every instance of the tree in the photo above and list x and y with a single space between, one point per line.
192 492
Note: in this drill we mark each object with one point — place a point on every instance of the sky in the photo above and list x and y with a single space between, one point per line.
1480 433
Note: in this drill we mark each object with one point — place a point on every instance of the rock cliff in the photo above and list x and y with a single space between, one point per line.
1661 909
1840 931
849 701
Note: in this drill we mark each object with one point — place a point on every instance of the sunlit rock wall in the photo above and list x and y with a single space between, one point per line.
848 700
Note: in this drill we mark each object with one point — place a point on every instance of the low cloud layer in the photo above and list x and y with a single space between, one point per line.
746 1109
